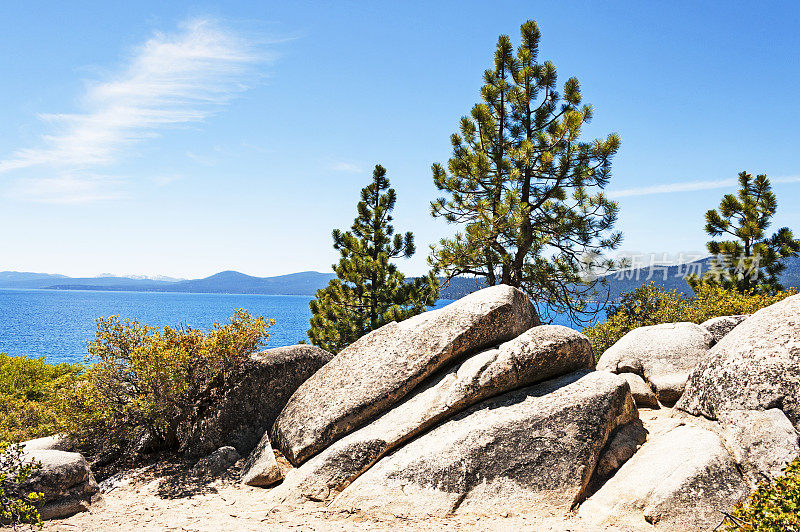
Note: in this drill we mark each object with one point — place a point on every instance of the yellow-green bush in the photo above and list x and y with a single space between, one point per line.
711 301
146 380
774 506
650 305
29 396
17 504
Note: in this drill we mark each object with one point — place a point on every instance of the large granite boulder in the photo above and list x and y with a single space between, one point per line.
538 354
261 468
64 479
762 441
378 370
55 442
216 463
531 449
754 367
662 354
241 414
640 391
722 325
680 480
622 445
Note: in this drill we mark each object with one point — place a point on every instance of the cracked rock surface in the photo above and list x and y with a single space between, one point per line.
373 374
533 447
541 353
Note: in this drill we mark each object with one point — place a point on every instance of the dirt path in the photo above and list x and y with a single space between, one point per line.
172 499
146 503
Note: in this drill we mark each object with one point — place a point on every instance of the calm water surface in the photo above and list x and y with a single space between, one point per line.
56 323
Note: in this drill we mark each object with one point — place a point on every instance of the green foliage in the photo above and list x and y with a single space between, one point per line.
651 305
526 188
17 504
712 300
29 396
369 291
646 305
774 506
147 380
30 378
751 261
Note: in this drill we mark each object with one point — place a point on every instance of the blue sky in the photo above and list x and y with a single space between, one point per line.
187 138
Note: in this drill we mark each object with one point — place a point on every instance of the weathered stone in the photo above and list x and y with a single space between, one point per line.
64 479
78 498
722 325
52 443
754 367
762 441
640 391
261 468
532 448
623 444
248 407
668 387
379 369
538 354
217 462
680 480
663 354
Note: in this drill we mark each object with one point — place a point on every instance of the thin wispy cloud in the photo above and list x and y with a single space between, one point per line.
172 80
164 180
68 189
690 186
343 166
201 159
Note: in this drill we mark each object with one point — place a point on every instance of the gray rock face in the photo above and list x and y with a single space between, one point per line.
53 443
248 408
762 441
623 444
374 373
531 448
64 479
663 354
640 391
754 367
719 327
261 468
680 480
217 462
538 354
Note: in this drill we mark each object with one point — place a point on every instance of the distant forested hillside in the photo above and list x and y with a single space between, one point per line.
307 283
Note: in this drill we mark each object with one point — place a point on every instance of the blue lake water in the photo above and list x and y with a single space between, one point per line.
57 323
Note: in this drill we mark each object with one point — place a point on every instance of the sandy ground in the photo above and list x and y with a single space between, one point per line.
167 497
152 502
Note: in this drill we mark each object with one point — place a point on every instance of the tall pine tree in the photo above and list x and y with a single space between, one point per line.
526 188
369 291
749 261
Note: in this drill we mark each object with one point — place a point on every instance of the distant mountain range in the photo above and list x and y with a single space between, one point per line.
672 277
307 283
227 282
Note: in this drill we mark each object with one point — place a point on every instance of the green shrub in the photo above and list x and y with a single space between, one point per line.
146 380
711 301
29 396
774 506
17 505
650 305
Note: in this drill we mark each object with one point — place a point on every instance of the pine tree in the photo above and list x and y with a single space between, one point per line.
369 291
520 180
750 262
